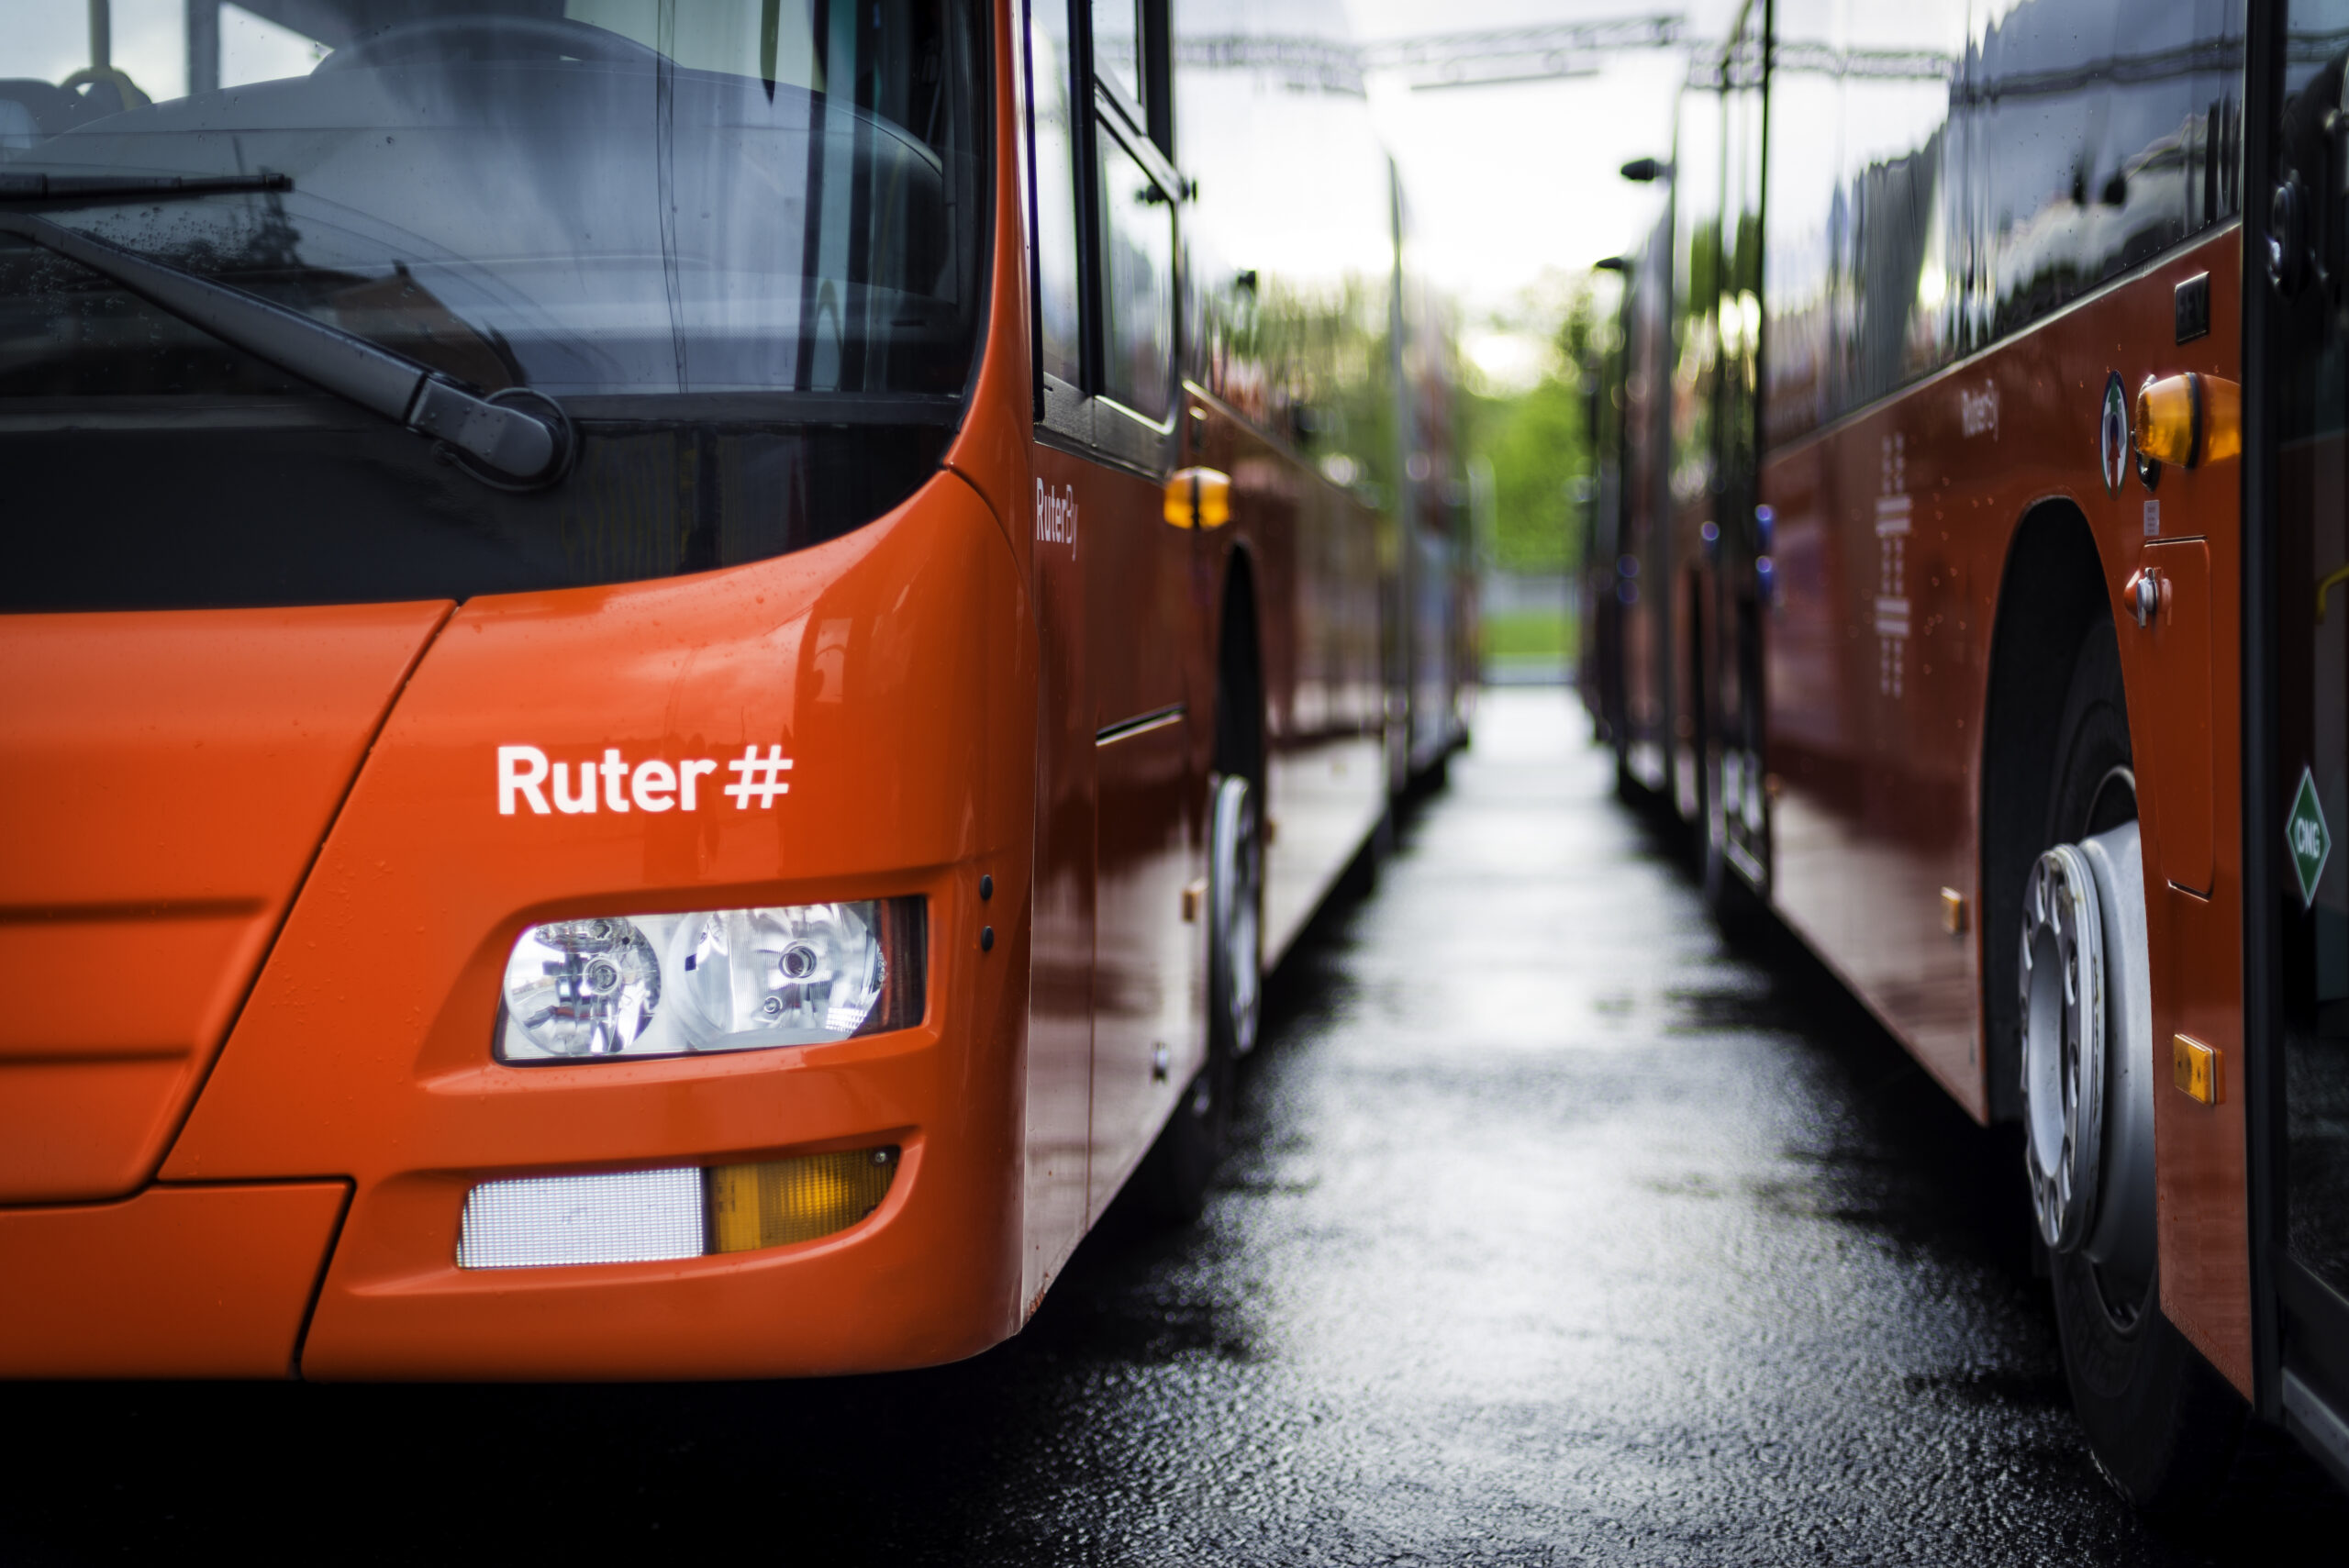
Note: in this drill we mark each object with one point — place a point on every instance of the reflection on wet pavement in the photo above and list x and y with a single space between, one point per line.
1556 1230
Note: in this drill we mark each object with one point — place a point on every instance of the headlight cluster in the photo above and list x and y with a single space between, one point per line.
642 986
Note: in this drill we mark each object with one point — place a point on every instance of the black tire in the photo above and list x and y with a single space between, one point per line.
1180 1169
1438 776
1731 900
2160 1421
1736 908
1360 878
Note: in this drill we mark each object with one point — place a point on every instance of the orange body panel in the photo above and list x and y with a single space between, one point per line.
891 666
1894 530
178 1281
164 782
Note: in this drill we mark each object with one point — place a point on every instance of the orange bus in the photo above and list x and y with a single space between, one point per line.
1974 509
673 663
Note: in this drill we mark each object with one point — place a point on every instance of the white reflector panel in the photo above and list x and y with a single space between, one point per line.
624 1217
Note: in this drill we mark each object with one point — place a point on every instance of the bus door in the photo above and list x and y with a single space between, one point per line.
1114 576
2305 791
1140 630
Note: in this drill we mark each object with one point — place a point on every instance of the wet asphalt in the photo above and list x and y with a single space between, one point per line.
1555 1230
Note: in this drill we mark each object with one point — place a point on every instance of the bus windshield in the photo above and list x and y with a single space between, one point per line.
739 242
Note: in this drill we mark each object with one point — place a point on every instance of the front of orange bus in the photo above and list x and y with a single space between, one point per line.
515 789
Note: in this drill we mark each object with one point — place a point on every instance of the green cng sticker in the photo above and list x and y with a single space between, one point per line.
2310 838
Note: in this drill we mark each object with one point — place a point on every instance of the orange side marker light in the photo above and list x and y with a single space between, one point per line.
2189 419
2194 1068
1198 499
1954 911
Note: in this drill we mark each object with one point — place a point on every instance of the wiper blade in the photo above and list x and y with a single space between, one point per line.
507 445
16 188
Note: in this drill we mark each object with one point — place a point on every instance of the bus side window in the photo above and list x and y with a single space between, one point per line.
1137 293
1055 193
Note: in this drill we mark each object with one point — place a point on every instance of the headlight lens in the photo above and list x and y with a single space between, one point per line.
717 980
582 987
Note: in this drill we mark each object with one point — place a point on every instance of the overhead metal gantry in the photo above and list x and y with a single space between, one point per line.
1482 58
1494 57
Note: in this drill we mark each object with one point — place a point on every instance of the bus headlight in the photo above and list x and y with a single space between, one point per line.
643 985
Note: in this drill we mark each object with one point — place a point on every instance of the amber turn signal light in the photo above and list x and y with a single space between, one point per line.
2194 1068
2189 419
805 1198
1198 499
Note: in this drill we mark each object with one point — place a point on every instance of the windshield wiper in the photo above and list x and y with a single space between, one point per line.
508 445
17 186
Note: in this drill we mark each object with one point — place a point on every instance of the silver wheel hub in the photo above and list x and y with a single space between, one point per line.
1236 874
2087 1056
2062 1043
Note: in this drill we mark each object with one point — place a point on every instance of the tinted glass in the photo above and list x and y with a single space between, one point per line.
740 241
1291 263
1805 137
1138 241
1740 310
1697 286
1116 45
2097 133
1889 244
1941 175
1056 243
1857 285
1650 390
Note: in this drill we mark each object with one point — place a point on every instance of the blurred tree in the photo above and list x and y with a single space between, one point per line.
1534 436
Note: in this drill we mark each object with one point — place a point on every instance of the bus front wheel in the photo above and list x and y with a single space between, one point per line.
2159 1421
1182 1162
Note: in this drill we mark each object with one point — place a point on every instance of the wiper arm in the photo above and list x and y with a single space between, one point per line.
17 188
518 446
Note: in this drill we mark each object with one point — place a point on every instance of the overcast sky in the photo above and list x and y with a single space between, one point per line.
1506 181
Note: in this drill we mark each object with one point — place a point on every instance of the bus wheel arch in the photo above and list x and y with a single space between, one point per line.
1240 674
1236 823
2052 594
2063 905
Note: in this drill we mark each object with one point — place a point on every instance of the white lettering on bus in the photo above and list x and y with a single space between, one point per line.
1978 412
656 785
1056 516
